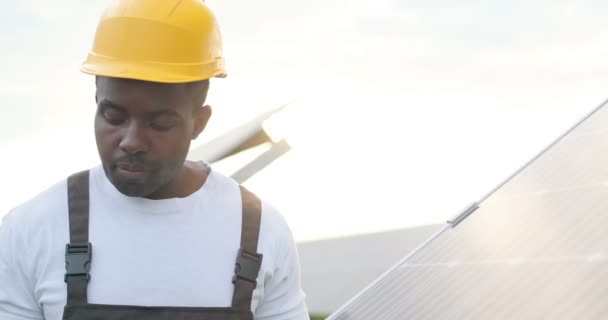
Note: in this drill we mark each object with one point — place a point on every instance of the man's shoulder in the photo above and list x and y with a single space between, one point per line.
41 208
273 219
273 225
275 234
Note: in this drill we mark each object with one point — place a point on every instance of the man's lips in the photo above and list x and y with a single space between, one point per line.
130 170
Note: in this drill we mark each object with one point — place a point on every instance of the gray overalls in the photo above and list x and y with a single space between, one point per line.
78 263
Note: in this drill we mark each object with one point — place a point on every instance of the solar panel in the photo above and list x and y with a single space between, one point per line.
535 248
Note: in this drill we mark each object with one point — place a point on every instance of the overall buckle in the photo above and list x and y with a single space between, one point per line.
78 260
247 266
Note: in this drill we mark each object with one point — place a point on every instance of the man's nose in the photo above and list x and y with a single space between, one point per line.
134 139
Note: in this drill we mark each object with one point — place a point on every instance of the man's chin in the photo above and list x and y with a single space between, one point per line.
131 187
131 192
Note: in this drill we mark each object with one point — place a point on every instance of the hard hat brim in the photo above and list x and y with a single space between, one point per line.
152 71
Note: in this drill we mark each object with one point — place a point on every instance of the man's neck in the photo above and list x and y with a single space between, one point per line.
191 178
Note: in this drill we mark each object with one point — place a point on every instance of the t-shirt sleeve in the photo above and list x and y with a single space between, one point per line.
284 298
17 301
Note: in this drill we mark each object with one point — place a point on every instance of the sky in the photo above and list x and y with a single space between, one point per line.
403 112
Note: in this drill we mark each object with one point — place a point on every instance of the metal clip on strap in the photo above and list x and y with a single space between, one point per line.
78 260
247 266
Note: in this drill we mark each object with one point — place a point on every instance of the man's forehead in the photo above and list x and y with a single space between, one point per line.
108 83
170 92
127 92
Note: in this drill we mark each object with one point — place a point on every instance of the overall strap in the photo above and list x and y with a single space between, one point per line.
78 252
248 261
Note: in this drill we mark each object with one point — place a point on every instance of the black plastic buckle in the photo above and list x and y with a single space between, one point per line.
78 260
247 266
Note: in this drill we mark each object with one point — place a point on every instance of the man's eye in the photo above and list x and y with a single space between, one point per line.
163 122
114 116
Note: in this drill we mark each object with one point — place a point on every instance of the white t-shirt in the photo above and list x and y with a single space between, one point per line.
171 252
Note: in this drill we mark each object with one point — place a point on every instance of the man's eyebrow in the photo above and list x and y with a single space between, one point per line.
108 103
153 114
166 112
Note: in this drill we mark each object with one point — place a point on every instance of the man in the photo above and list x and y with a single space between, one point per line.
147 234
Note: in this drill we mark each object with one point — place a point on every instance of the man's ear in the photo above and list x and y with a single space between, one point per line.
201 117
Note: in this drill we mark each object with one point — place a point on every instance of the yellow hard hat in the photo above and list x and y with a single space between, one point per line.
169 41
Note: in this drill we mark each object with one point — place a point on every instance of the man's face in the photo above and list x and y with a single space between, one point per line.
143 132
